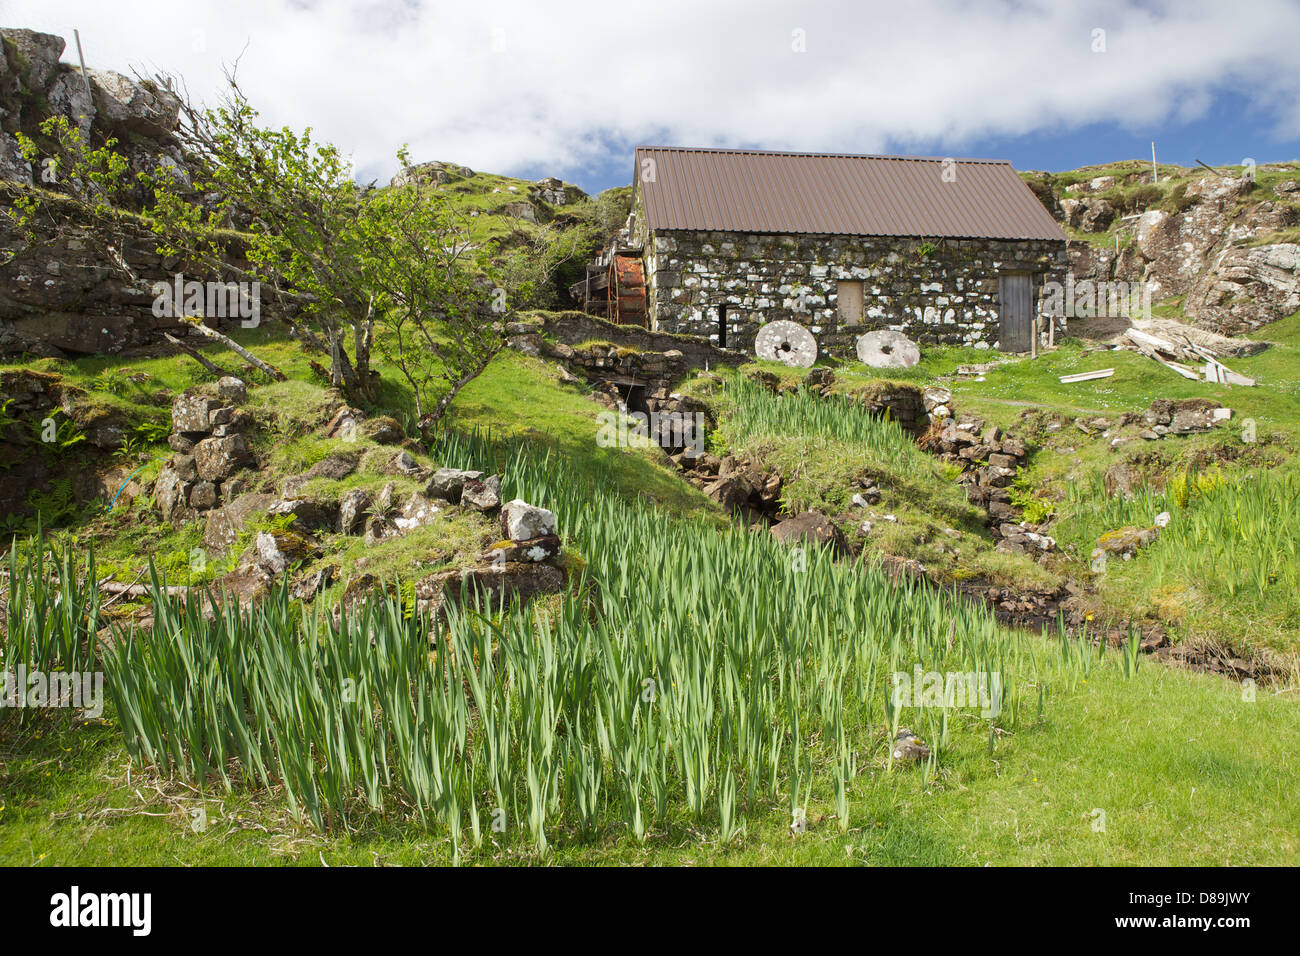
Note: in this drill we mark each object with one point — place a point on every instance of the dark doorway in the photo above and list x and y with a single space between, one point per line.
722 326
1015 311
635 399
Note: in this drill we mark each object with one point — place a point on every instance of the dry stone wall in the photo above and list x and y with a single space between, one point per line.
941 292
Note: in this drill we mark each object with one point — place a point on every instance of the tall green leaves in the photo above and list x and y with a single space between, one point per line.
717 673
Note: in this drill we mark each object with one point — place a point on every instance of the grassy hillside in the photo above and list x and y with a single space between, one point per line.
1096 764
770 668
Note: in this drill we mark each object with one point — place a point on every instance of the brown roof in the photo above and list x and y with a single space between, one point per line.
837 194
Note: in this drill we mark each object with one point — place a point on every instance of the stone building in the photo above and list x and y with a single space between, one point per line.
945 251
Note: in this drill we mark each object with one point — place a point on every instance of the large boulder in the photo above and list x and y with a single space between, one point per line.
33 57
491 585
448 483
521 521
811 527
170 491
277 550
353 508
404 464
482 495
1247 287
192 413
224 525
309 513
145 109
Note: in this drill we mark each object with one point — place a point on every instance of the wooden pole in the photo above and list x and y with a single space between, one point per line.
1155 171
85 77
199 357
228 342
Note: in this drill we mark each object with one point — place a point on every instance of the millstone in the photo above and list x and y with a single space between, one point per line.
786 341
887 349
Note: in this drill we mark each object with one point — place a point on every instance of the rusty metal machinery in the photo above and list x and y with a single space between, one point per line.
627 296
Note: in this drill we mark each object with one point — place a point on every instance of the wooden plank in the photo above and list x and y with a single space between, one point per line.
1152 341
1182 370
1221 372
1087 376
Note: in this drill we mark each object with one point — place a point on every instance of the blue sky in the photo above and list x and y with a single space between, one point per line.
567 88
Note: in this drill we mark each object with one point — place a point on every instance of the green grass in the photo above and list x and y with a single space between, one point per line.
752 705
822 446
1186 771
519 397
1167 582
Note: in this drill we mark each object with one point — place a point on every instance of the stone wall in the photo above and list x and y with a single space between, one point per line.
939 292
574 328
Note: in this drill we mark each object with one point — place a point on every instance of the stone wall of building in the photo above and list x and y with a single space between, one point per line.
943 291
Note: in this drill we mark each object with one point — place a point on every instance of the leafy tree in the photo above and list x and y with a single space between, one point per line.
355 267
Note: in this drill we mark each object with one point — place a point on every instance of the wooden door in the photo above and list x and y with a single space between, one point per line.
1015 312
848 296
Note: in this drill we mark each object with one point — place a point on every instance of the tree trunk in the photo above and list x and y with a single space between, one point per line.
239 350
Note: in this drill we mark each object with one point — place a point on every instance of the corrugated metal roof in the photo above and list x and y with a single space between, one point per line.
837 194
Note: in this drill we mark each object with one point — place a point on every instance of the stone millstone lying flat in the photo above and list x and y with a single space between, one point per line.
887 349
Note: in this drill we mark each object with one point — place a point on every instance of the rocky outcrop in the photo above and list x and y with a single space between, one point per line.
522 566
61 292
432 173
1206 240
140 114
1246 288
521 521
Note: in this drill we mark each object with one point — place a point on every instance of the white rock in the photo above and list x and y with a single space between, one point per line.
521 521
269 554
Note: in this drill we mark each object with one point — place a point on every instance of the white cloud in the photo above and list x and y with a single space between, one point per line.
510 85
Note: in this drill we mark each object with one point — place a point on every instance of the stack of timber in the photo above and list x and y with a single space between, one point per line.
1176 356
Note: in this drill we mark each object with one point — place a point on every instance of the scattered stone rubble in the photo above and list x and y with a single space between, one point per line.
988 459
738 484
210 450
214 474
522 565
